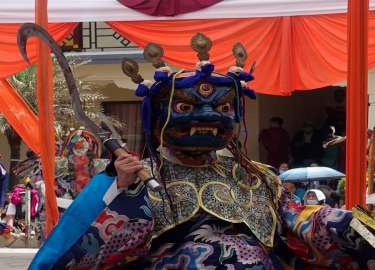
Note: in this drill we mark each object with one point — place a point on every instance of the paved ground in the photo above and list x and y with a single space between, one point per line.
15 258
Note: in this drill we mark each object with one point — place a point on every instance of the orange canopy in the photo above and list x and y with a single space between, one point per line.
292 53
11 61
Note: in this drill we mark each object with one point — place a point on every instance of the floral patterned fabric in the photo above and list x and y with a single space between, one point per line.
123 236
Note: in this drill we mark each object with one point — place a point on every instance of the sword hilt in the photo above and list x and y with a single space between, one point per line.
145 175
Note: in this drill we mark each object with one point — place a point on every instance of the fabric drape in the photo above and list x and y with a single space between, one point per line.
19 115
13 107
11 61
38 134
292 53
44 91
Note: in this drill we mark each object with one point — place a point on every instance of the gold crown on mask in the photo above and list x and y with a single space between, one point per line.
200 43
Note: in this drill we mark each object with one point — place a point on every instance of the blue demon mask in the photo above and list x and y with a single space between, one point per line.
202 117
191 111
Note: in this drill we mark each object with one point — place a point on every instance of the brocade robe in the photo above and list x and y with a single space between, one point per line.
208 220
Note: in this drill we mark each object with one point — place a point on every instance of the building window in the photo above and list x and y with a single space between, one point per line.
95 36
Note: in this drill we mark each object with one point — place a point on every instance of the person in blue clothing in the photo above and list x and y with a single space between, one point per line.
300 190
4 183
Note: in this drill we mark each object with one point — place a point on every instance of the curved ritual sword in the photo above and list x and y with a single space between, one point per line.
28 30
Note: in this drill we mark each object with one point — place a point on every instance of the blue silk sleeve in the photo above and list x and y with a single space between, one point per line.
73 223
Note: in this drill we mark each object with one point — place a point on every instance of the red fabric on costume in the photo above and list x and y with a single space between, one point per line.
297 246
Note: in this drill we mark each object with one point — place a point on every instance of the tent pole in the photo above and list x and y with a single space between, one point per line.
357 103
371 164
46 118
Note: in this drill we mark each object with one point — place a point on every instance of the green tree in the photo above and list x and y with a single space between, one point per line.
25 82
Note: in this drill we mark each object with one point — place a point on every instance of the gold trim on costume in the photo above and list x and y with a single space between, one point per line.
243 205
240 183
168 227
363 231
223 198
364 217
269 242
216 213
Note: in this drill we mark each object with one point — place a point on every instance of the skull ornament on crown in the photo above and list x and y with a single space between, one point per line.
191 112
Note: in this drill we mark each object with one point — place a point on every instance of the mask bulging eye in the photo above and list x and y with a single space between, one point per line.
181 107
224 108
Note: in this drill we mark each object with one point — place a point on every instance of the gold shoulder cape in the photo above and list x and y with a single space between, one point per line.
223 190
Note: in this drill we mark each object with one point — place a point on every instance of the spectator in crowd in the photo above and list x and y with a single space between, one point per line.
306 146
333 200
4 183
275 140
330 191
314 197
336 115
296 188
289 186
330 146
300 190
283 167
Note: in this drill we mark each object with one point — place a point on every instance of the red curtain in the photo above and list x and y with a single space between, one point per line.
292 53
